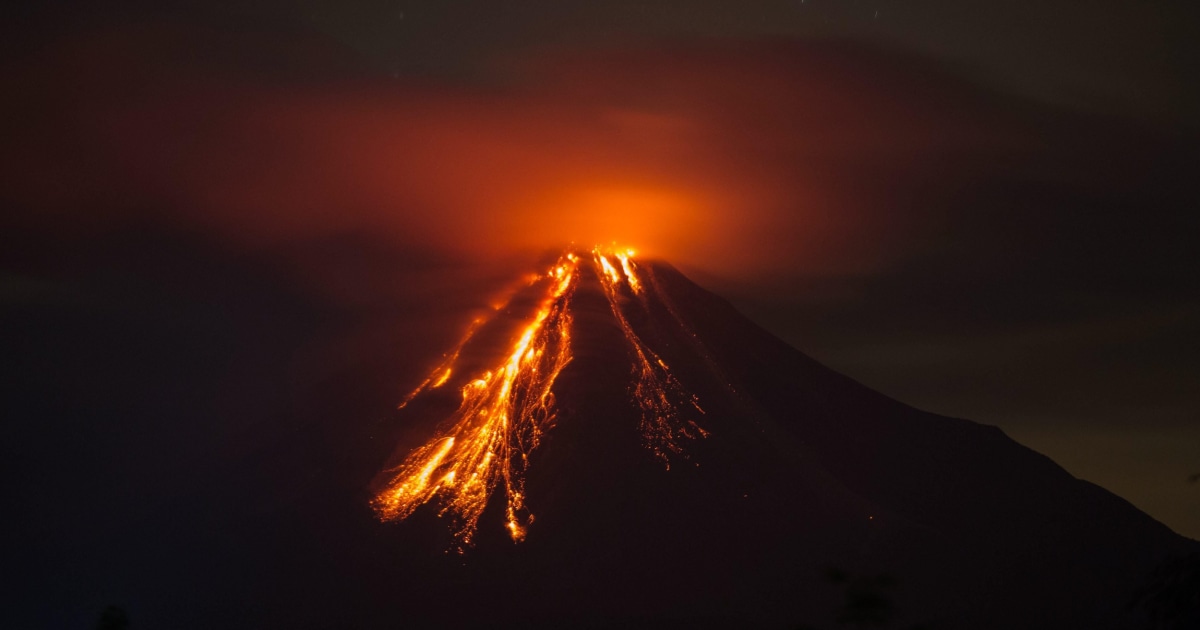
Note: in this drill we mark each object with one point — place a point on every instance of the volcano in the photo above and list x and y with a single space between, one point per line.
617 446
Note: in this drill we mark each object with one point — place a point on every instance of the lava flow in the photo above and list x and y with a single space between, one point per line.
500 421
505 411
657 392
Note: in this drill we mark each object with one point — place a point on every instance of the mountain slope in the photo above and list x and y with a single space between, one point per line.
793 468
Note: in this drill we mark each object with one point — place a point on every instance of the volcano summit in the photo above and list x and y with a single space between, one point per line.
505 411
659 458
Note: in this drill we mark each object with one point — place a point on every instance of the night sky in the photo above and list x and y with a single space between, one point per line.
986 210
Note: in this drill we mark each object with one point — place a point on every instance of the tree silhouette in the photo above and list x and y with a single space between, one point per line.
866 603
113 618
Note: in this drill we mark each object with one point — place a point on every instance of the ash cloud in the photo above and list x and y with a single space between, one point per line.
735 158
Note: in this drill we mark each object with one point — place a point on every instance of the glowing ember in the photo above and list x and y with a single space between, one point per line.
505 411
441 373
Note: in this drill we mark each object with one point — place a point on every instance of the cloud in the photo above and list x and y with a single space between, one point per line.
737 157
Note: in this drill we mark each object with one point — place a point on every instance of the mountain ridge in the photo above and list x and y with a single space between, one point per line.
801 469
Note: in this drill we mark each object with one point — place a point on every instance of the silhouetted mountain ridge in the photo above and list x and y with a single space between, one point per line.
802 469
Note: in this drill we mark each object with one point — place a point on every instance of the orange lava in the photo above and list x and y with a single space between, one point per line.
500 421
486 443
659 395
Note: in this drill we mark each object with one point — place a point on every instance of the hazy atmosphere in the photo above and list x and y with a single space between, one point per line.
983 210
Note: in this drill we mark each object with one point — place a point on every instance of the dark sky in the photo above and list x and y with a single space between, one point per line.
984 209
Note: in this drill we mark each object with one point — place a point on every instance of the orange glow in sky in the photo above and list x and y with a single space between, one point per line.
665 149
